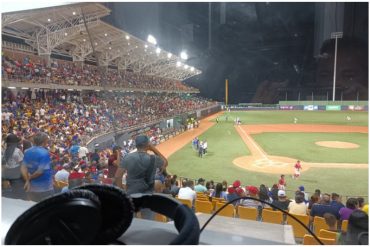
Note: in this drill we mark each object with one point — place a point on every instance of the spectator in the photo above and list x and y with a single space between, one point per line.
63 174
200 186
282 201
224 185
361 202
263 193
298 206
112 162
251 191
336 204
318 193
345 212
141 168
11 169
314 200
186 192
218 192
174 186
323 207
301 189
232 195
274 192
37 170
358 229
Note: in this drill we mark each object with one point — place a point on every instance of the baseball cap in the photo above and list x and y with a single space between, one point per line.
281 193
236 183
301 188
141 140
231 190
253 190
239 191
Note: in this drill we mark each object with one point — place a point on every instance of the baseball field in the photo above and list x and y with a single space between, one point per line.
332 148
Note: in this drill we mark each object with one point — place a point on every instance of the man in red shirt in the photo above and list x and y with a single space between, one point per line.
112 162
282 182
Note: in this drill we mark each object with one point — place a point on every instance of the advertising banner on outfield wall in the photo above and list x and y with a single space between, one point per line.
333 107
356 107
286 107
310 107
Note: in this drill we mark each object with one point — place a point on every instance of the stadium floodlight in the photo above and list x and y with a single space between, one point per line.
169 55
73 13
178 64
158 50
70 89
186 66
127 37
105 34
49 20
84 40
192 69
96 43
25 88
146 46
12 87
128 43
65 34
183 55
151 39
110 48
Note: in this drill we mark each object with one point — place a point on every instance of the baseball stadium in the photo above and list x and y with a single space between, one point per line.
113 115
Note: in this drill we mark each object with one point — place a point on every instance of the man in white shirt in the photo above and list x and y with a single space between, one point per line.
186 192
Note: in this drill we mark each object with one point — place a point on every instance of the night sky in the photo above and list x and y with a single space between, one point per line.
259 47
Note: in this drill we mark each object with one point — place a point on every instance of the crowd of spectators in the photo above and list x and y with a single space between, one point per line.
32 68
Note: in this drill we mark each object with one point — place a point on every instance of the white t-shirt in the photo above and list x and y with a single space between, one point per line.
82 152
187 194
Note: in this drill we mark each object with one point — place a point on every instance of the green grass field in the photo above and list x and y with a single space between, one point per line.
225 145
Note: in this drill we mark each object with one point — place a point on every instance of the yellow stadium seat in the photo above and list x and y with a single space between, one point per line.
203 207
344 225
271 216
202 198
319 223
328 234
298 230
228 211
310 240
188 203
247 213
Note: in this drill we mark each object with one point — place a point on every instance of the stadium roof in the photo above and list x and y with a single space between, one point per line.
73 29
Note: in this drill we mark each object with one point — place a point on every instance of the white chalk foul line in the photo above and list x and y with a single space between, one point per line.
254 144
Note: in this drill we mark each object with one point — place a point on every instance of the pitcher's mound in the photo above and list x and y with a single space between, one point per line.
336 144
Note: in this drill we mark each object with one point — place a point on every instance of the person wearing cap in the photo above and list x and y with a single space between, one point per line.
251 191
141 168
36 168
11 169
200 186
282 202
301 189
232 195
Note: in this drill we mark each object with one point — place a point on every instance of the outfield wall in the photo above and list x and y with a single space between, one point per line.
303 106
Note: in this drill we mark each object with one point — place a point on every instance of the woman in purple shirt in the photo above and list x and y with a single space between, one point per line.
345 212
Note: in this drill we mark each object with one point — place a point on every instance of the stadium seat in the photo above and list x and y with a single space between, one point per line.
310 240
318 224
186 202
298 230
271 216
247 213
203 207
327 234
228 211
344 225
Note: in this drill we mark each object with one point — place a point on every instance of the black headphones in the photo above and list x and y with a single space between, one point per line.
96 214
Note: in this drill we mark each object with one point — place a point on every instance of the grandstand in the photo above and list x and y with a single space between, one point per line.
93 87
